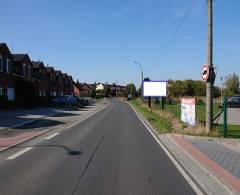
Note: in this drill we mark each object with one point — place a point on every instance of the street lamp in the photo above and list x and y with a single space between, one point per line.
140 66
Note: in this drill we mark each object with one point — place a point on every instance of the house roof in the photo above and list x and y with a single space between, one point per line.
100 87
58 72
21 57
37 64
64 75
4 49
49 69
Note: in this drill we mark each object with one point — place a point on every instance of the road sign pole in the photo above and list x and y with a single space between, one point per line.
209 86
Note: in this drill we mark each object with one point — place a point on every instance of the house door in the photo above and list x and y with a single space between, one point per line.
11 94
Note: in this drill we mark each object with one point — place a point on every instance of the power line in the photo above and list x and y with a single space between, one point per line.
176 31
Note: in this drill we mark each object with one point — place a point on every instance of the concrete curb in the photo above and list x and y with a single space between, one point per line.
46 131
24 140
198 169
31 137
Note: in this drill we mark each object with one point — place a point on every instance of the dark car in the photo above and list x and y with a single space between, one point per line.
234 102
63 101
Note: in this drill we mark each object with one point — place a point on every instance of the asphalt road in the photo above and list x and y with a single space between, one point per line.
109 153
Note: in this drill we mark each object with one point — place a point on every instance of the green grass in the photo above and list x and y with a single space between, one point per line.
200 111
161 124
164 125
233 131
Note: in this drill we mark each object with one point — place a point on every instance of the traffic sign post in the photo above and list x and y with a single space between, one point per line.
205 72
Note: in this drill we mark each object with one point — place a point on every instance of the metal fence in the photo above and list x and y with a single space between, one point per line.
230 119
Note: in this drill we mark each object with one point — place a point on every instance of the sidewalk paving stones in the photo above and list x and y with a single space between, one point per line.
227 158
213 163
10 137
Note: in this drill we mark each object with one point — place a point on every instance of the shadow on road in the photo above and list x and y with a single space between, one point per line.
39 124
67 149
65 114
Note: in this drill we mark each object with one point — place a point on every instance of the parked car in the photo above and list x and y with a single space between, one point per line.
63 101
234 102
79 101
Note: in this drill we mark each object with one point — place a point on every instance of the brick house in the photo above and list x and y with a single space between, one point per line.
67 84
70 85
7 79
76 89
40 81
86 90
59 80
83 89
22 65
26 93
52 83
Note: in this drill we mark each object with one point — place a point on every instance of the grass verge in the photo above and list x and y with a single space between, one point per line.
161 124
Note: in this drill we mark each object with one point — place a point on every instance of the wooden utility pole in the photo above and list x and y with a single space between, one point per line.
209 87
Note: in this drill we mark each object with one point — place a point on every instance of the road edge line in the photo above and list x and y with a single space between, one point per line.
44 132
186 175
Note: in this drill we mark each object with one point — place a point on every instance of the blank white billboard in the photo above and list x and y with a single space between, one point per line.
154 88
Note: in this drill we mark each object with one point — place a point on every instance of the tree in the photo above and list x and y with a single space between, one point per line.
131 89
106 90
231 85
93 91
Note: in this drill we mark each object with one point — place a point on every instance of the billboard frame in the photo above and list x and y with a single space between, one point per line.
155 81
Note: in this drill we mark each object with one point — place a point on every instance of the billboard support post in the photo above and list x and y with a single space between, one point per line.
149 102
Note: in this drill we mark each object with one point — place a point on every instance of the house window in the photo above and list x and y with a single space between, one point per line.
54 93
8 66
44 93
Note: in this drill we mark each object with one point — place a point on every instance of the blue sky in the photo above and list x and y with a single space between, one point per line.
99 40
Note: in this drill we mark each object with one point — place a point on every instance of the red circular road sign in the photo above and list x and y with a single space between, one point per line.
205 72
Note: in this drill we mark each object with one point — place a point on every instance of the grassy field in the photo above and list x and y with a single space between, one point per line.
162 124
165 125
200 110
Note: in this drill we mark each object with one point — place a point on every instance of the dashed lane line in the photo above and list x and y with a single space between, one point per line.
51 136
19 153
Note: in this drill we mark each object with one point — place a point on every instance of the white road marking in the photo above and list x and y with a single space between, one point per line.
19 153
51 136
177 165
69 127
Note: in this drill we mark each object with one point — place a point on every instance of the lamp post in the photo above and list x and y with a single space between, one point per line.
140 66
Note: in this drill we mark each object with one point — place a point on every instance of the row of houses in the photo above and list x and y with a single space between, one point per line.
110 90
26 82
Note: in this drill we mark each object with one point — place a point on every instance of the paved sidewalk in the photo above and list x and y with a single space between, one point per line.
217 151
212 163
214 156
63 120
9 118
